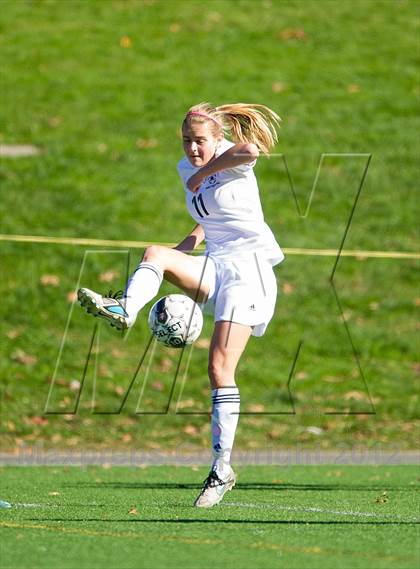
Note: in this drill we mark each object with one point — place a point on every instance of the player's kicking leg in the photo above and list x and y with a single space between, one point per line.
108 307
158 262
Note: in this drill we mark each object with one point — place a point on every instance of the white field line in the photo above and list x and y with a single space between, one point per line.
24 505
18 150
320 511
350 513
143 244
18 505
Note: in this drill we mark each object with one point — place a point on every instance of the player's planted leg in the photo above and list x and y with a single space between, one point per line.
215 488
228 343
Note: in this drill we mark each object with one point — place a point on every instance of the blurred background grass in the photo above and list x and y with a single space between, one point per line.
101 88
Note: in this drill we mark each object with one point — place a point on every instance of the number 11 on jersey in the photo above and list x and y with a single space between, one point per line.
199 200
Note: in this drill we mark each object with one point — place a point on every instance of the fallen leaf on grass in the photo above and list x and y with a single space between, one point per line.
23 358
126 42
415 366
71 296
382 499
54 122
273 435
108 276
357 395
190 430
254 421
104 371
345 315
50 280
214 17
186 403
165 365
256 408
74 385
333 379
174 27
154 445
37 420
143 143
277 87
314 430
293 34
65 402
116 352
14 333
353 88
287 288
335 473
302 375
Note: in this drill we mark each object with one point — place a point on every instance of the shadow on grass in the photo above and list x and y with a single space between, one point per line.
224 521
240 486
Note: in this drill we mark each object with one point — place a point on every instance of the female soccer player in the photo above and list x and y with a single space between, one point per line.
234 278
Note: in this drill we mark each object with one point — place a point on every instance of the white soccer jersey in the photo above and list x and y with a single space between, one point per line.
228 208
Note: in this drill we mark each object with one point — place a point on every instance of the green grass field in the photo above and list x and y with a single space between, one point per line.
101 88
296 517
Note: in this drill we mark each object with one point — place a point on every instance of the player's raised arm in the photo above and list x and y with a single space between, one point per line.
242 153
191 241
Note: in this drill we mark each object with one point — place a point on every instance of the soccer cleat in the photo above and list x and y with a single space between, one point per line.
214 489
108 307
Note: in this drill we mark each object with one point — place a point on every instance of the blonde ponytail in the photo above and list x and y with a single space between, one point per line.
251 123
243 122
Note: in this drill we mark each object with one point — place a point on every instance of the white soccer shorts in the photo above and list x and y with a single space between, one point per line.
242 291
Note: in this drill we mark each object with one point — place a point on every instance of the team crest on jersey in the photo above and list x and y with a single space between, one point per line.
211 181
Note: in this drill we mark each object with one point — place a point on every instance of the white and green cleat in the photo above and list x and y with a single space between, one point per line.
108 307
214 489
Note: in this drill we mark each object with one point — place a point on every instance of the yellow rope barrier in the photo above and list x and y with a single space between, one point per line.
143 244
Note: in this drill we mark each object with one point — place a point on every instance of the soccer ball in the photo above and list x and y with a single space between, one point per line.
175 320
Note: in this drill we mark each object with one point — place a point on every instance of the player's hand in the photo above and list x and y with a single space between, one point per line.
195 182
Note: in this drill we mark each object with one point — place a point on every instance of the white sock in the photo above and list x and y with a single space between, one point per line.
224 420
142 286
